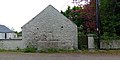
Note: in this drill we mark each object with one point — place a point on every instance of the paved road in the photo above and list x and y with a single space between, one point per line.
57 56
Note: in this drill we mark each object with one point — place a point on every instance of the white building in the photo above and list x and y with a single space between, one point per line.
6 33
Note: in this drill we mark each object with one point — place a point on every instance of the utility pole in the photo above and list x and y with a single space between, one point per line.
98 23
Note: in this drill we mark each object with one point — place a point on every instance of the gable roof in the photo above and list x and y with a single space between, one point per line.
4 29
49 10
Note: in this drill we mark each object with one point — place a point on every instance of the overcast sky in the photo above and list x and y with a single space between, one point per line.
15 13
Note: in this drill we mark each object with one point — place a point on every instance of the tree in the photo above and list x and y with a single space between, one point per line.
110 17
88 14
73 16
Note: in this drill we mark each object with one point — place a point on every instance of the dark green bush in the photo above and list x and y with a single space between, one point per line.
106 36
82 41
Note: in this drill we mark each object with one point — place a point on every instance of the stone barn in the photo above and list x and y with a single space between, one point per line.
50 29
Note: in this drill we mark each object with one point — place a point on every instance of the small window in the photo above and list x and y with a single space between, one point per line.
61 26
36 37
50 31
37 28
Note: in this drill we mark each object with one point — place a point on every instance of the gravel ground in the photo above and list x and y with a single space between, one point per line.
56 56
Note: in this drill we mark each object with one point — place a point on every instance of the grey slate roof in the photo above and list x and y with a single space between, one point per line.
4 29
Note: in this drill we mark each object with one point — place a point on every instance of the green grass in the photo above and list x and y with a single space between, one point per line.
52 50
30 50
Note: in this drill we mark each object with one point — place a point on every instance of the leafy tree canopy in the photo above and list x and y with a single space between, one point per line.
110 17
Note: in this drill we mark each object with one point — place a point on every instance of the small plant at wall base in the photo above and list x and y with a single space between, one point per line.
2 50
30 49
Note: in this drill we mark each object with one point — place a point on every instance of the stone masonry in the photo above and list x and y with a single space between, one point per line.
50 29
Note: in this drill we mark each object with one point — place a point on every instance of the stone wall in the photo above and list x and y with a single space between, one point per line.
55 44
110 44
50 26
11 44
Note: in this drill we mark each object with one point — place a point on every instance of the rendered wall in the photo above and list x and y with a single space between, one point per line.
11 44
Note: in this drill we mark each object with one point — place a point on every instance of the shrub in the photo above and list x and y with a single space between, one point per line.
30 49
82 41
106 36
